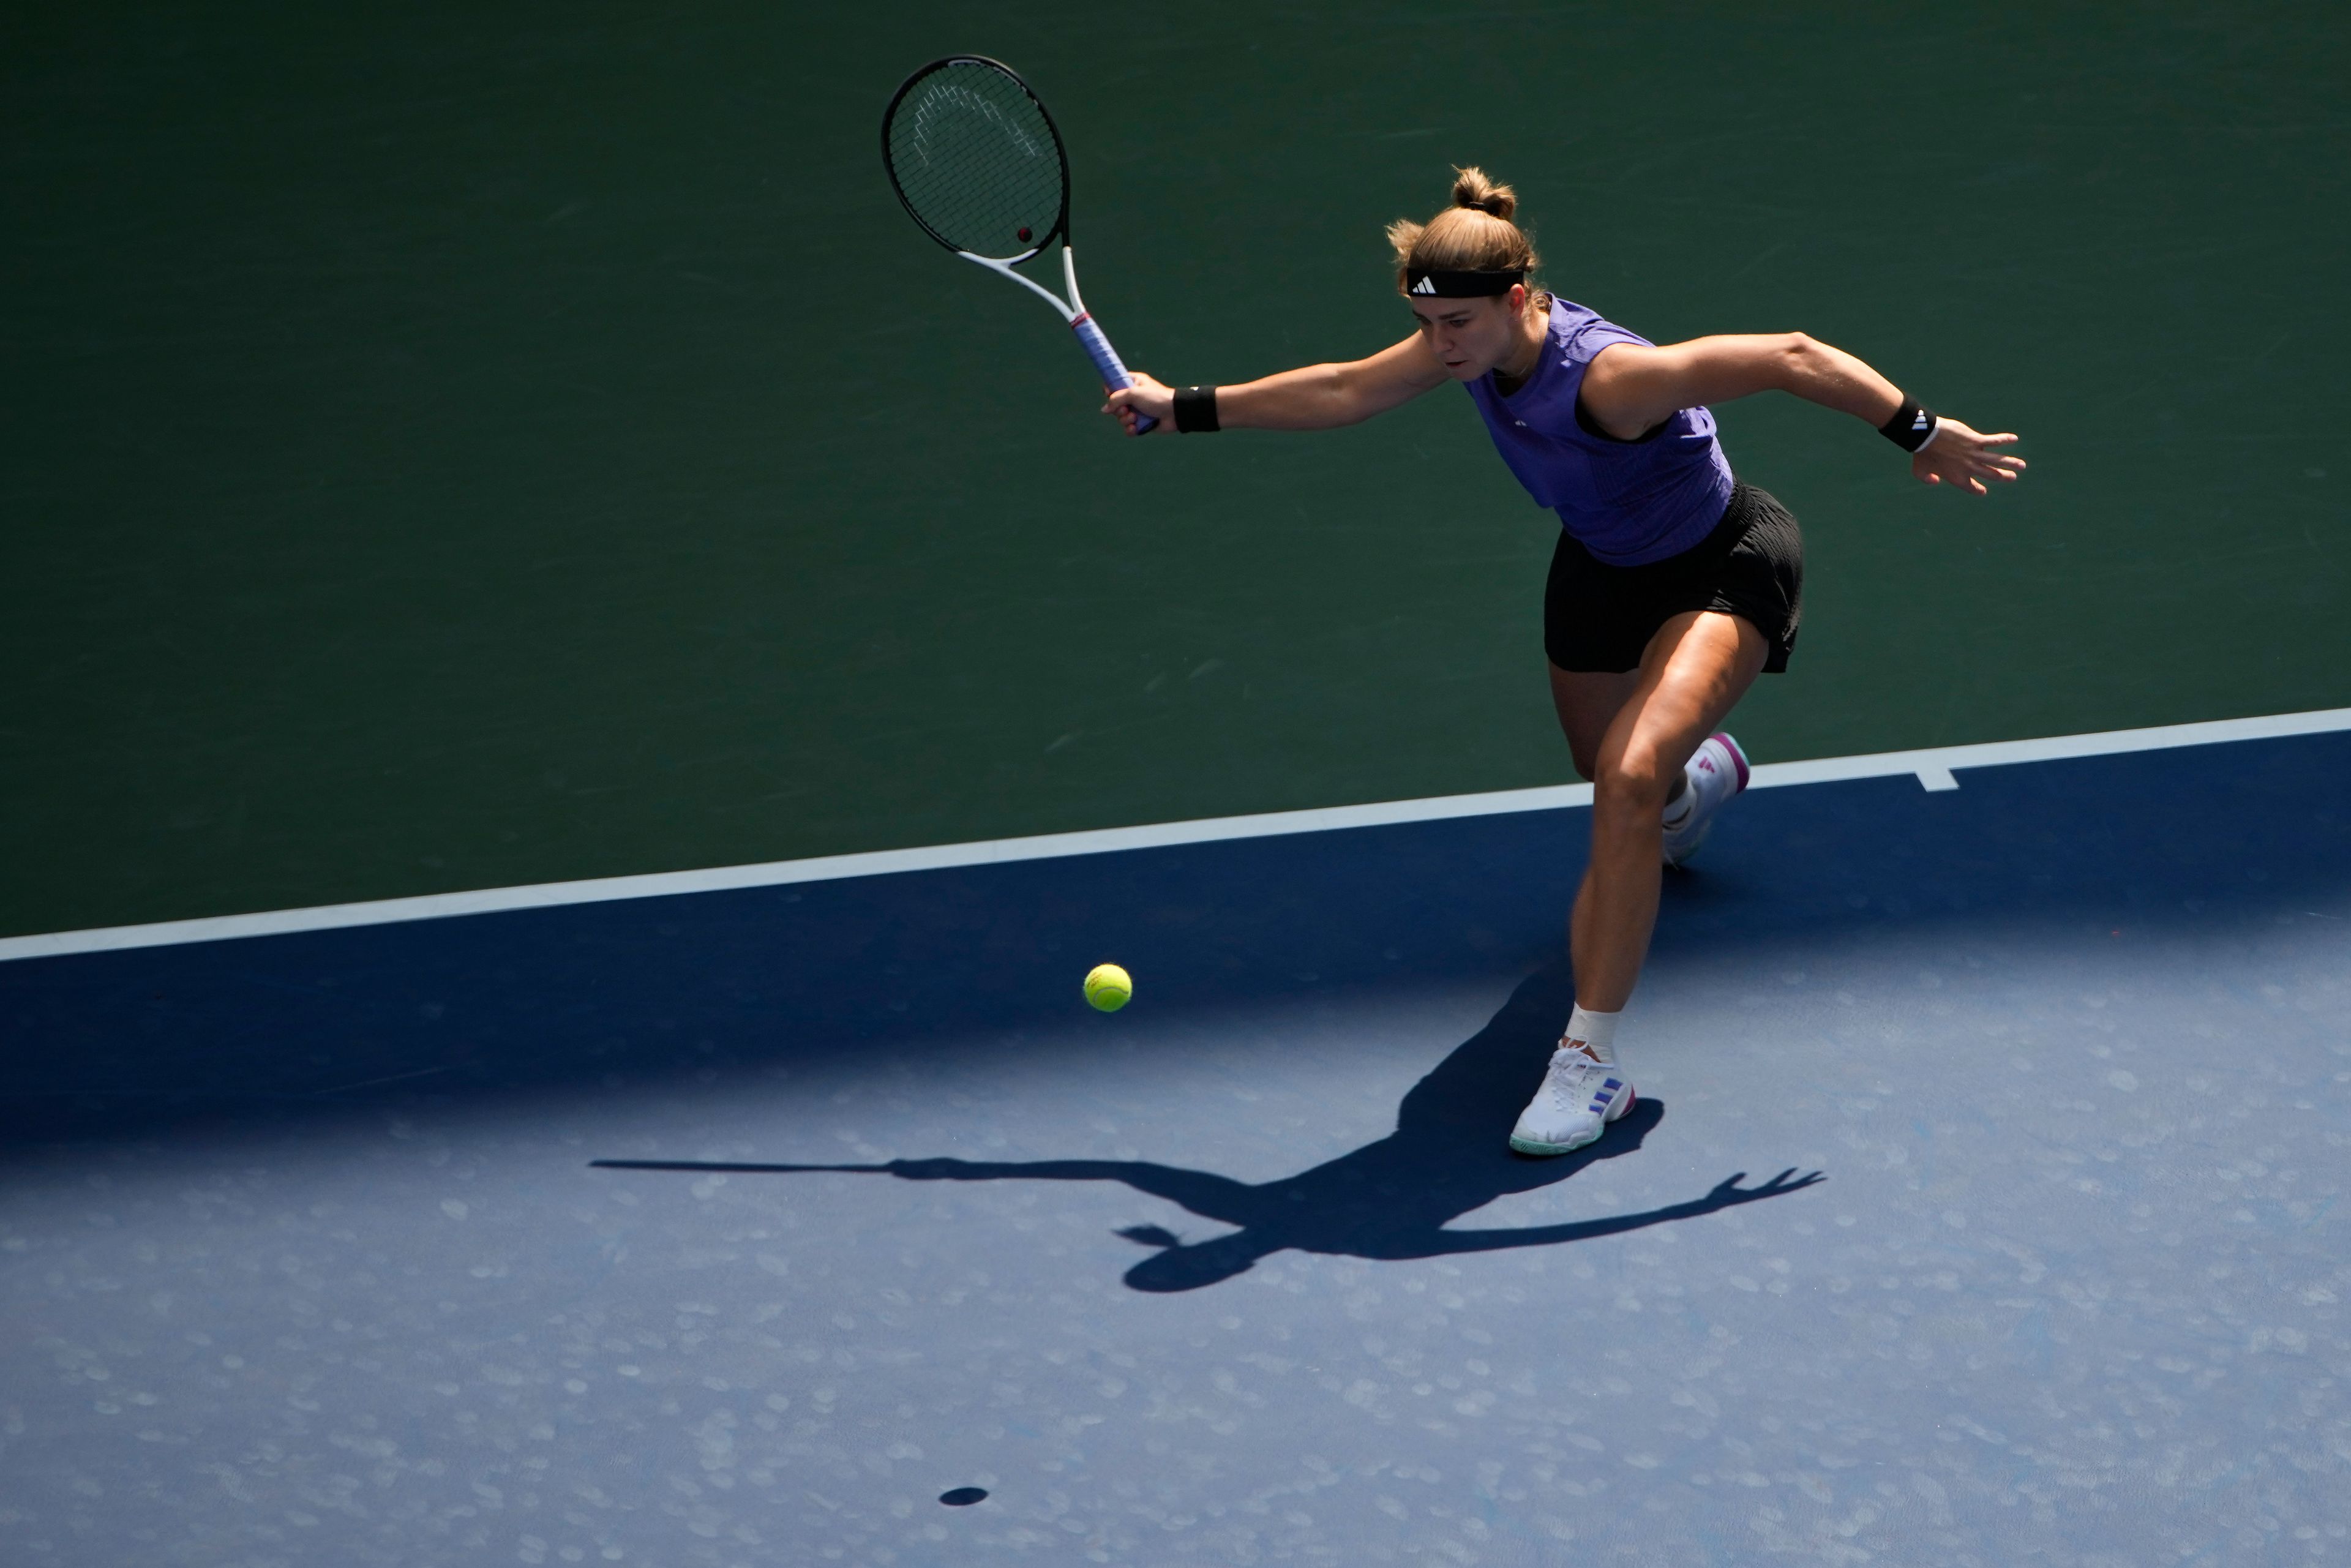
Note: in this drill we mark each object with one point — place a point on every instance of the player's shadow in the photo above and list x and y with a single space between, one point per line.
1387 1200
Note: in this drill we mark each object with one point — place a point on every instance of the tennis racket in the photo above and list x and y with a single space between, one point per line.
976 162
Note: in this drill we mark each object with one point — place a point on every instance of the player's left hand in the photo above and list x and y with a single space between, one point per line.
1964 458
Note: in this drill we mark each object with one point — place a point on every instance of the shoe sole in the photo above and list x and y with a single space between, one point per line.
1676 859
1679 856
1529 1146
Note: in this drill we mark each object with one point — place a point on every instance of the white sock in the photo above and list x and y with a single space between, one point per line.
1678 809
1596 1032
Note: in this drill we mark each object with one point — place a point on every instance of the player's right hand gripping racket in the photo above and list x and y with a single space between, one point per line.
974 158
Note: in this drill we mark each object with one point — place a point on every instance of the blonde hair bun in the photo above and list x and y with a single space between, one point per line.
1473 190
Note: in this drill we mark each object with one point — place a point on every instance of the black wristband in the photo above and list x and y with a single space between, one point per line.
1913 426
1195 410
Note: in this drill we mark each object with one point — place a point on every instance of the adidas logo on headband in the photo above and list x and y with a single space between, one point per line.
1443 284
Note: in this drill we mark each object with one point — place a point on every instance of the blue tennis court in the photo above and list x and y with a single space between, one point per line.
593 667
1981 1206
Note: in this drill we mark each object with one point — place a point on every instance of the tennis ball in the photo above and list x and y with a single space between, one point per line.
1108 987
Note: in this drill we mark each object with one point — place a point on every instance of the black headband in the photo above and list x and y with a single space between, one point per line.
1431 285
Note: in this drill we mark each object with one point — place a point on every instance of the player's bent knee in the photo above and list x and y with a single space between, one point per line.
1637 781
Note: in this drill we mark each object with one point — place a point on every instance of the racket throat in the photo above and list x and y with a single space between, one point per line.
1010 269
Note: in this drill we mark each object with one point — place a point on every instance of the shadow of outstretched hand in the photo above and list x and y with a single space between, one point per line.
1729 1193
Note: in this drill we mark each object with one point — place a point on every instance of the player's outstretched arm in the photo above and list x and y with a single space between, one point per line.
1632 387
1317 397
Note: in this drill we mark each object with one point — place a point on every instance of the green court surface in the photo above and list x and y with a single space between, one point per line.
449 447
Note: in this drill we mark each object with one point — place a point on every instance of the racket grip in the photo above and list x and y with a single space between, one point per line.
1106 361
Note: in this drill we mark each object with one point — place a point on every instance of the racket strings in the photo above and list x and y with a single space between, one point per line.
977 161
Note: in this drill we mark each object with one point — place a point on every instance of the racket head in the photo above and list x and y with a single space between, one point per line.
976 159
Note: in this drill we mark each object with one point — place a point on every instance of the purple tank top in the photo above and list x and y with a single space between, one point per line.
1627 502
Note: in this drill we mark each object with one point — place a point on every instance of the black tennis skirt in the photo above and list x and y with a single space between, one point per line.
1597 618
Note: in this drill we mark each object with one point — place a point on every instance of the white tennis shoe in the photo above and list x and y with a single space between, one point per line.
1716 773
1578 1099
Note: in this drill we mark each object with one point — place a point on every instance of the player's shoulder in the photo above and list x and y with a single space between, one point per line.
1582 332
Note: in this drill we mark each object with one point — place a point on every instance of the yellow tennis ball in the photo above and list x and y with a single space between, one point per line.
1108 987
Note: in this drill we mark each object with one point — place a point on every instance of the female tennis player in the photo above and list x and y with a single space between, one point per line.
1673 585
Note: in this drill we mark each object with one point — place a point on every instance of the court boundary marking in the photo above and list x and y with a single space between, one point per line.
1935 767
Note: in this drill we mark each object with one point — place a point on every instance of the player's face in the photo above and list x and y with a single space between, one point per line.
1469 337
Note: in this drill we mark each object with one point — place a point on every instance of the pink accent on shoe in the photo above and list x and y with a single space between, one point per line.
1738 757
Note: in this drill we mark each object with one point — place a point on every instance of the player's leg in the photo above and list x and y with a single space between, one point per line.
1695 669
1587 702
1693 672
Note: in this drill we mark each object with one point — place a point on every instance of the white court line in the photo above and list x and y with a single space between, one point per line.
1934 768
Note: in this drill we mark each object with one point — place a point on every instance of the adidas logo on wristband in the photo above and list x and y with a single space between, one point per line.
1912 427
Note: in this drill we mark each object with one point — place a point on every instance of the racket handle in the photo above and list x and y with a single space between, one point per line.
1106 361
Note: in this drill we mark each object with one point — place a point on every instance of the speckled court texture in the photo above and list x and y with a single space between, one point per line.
1982 1208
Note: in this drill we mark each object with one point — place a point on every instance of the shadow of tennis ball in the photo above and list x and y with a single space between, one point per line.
964 1497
